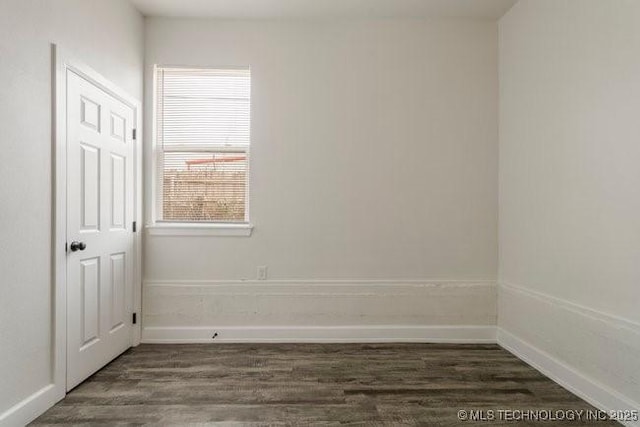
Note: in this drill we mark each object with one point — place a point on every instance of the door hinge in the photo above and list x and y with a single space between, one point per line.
134 226
135 318
66 247
135 133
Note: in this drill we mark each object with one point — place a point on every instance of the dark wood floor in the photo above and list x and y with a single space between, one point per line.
309 384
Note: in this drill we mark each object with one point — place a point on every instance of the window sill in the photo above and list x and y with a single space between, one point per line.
187 229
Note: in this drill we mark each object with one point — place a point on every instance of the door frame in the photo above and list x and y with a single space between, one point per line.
64 62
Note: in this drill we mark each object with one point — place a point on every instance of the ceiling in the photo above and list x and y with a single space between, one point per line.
283 9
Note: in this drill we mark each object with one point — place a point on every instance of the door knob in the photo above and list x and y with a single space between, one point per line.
77 246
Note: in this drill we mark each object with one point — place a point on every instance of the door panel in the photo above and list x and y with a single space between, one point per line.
118 191
90 294
100 198
90 188
118 290
90 113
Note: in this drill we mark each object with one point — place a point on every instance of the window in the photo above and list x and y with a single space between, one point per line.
202 145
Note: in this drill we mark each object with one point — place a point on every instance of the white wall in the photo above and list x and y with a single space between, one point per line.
570 185
106 34
374 157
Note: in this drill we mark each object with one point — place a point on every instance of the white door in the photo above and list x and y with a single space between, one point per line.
100 240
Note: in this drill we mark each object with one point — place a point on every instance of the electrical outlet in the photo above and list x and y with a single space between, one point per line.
262 272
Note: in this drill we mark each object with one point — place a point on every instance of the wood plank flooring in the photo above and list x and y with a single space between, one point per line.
310 384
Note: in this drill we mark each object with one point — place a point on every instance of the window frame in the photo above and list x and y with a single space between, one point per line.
161 227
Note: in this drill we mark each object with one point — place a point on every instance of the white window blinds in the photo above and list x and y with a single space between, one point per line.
202 141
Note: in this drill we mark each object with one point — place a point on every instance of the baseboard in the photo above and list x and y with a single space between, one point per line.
32 407
594 354
329 334
595 393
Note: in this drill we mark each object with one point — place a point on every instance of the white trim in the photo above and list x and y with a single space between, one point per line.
139 217
465 334
396 283
333 288
205 229
63 61
572 306
595 393
204 67
59 221
27 410
155 197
